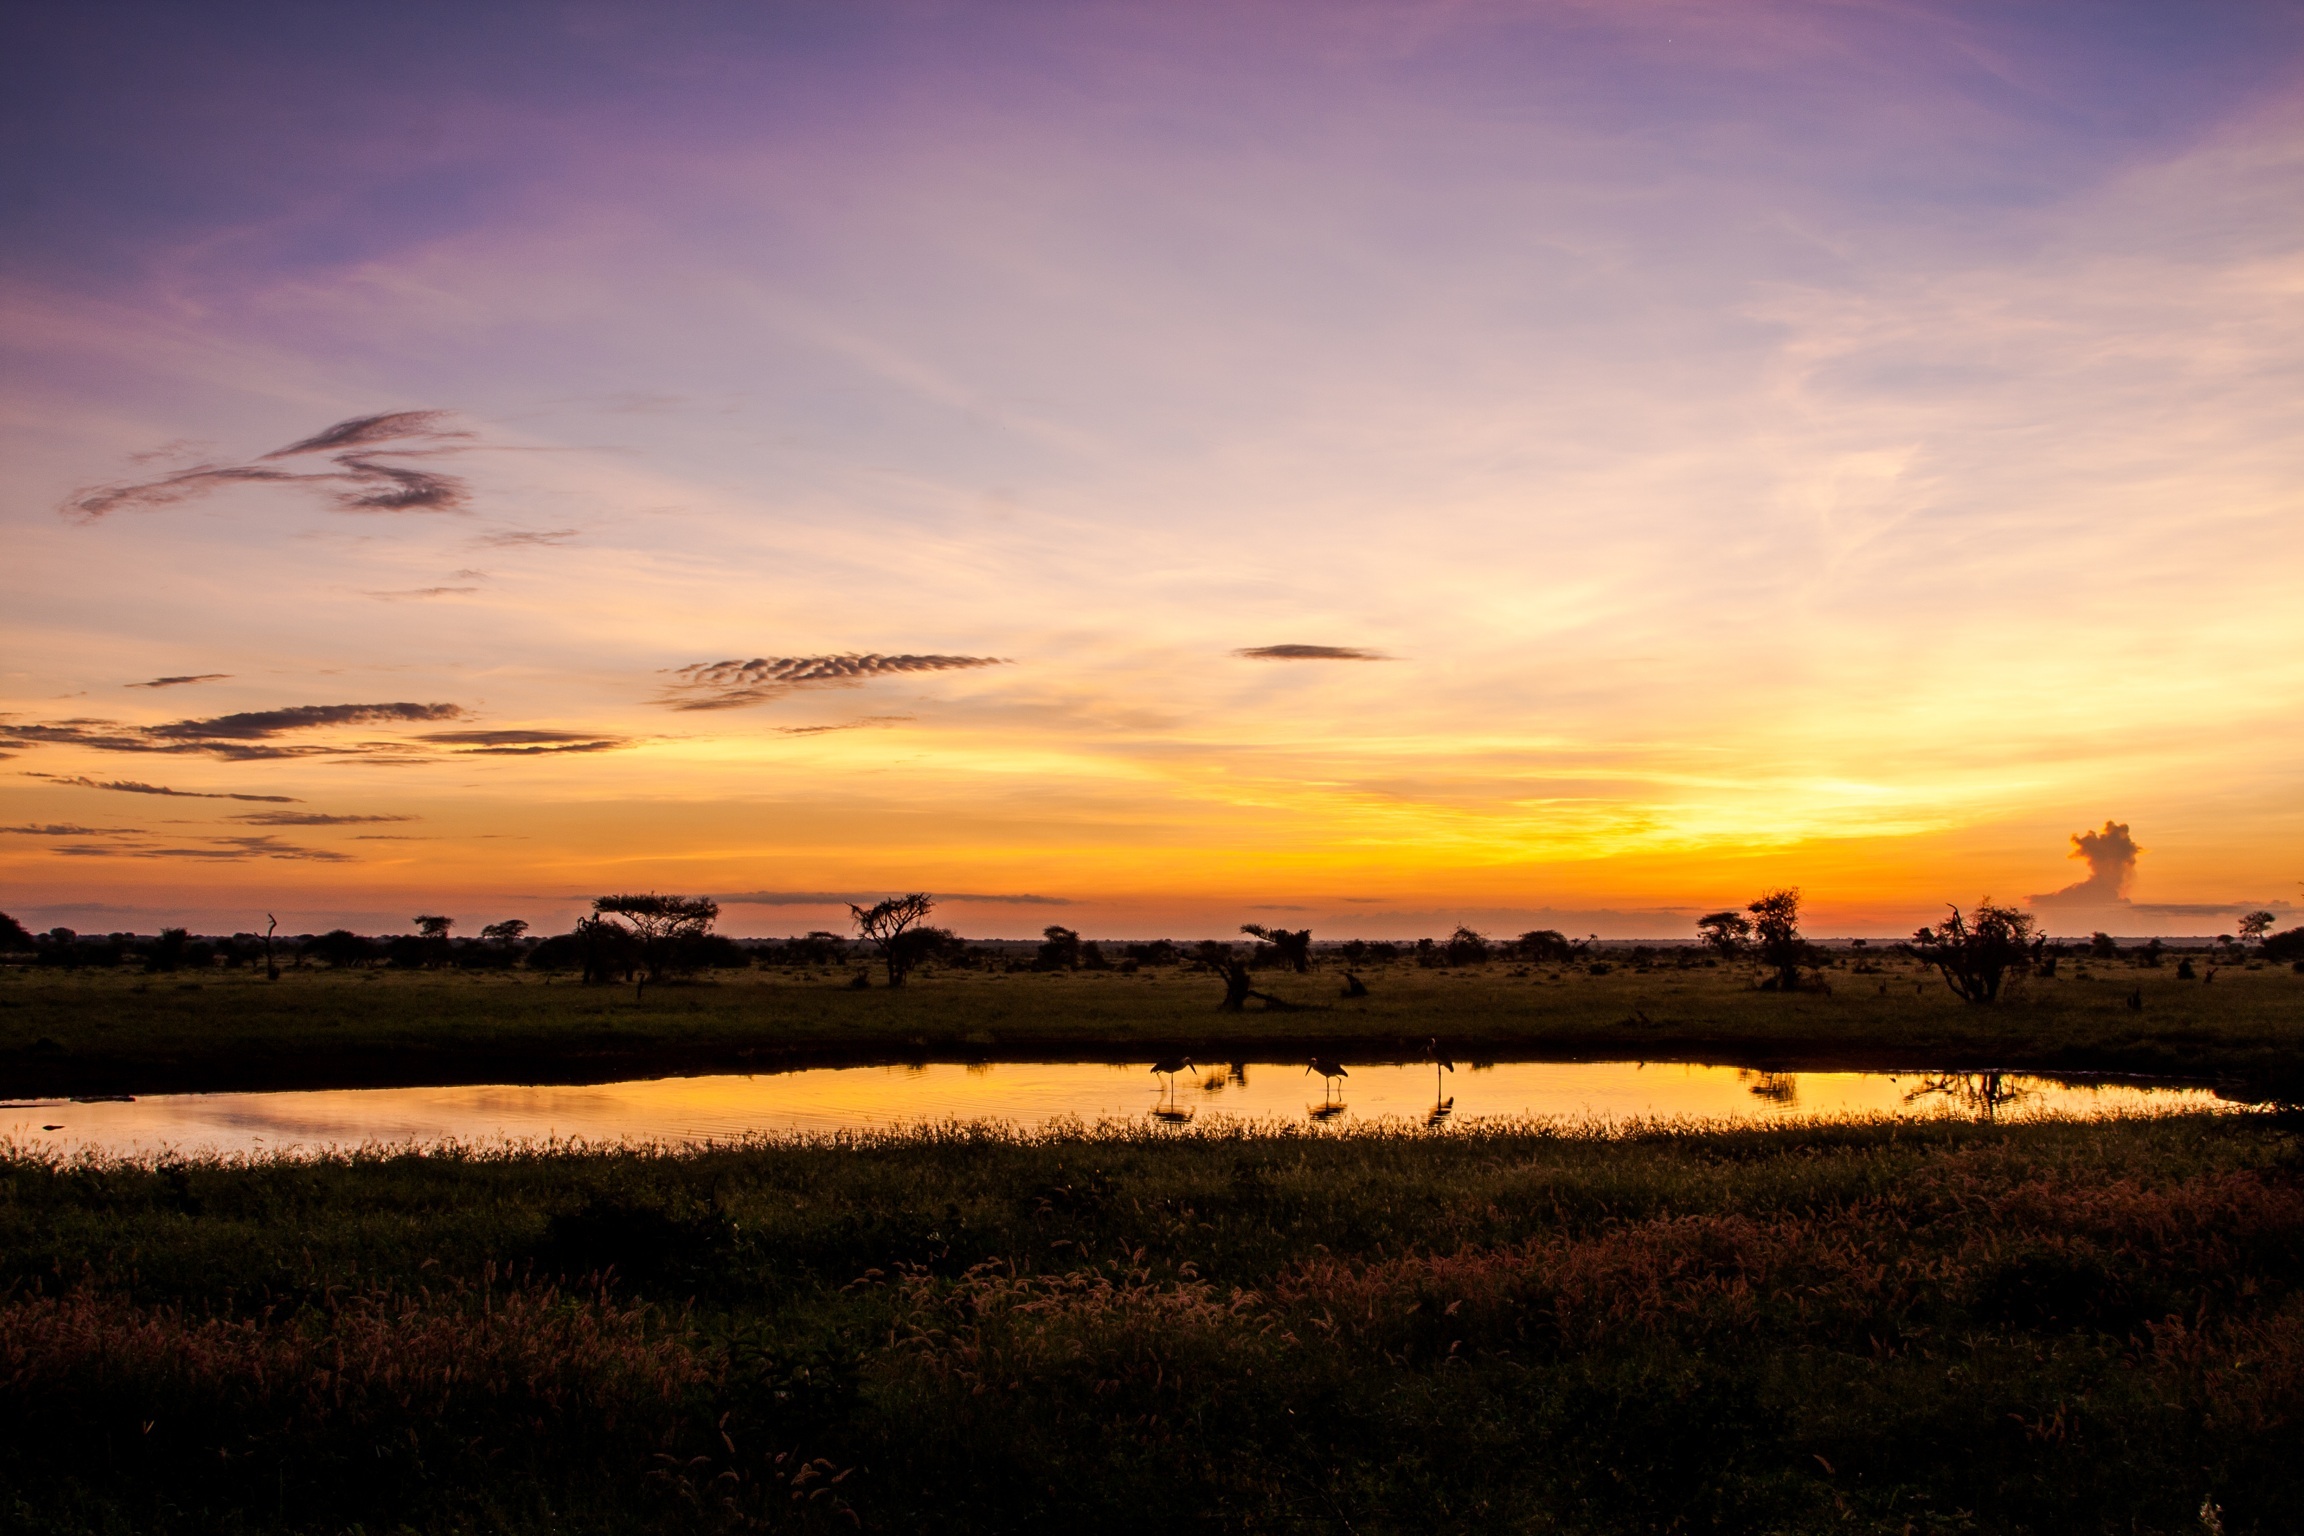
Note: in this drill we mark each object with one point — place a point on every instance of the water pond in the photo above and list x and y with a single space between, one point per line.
1034 1095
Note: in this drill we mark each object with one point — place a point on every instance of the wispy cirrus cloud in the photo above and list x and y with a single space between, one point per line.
740 684
867 723
246 736
366 475
179 682
215 850
68 829
1309 653
133 787
524 743
524 538
862 898
314 819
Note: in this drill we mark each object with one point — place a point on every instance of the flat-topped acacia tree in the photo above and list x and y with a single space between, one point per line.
660 925
893 925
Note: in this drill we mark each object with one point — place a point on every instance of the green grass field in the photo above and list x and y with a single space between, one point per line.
119 1032
2051 1327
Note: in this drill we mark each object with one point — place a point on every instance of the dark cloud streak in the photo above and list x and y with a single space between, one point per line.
740 684
132 787
361 481
1309 653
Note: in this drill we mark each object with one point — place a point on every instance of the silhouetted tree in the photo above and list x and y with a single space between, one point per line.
1978 952
2255 925
1281 946
660 926
167 952
1776 935
1543 946
341 948
13 934
2102 946
890 925
1466 947
1725 933
1238 987
1059 950
506 933
2286 945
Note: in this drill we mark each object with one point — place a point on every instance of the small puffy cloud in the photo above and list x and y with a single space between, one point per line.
740 684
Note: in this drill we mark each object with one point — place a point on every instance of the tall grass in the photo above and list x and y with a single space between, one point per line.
2048 1327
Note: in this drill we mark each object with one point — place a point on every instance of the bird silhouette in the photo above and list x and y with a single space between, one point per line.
1442 1104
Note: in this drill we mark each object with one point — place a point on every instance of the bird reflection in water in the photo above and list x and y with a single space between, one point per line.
1332 1074
1982 1094
1781 1089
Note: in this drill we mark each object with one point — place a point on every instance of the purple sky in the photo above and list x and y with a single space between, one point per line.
1853 445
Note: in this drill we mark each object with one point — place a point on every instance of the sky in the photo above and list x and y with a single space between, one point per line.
1152 467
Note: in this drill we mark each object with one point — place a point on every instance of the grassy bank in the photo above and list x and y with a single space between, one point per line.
122 1033
1944 1328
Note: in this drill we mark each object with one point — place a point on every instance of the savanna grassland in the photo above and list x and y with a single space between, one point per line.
2043 1327
116 1031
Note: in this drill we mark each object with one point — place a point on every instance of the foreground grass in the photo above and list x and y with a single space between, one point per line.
2049 1327
115 1032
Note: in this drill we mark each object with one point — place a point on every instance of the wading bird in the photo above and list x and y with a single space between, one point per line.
1443 1105
1168 1067
1331 1071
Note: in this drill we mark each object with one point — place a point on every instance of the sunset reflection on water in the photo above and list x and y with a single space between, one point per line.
1039 1095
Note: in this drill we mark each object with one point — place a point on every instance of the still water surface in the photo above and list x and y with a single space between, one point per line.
1033 1095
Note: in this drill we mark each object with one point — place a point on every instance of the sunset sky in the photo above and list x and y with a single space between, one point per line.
1154 466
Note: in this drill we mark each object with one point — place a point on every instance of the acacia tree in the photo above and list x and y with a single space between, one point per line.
1977 953
1283 947
1776 935
2255 925
1725 933
506 933
660 925
890 924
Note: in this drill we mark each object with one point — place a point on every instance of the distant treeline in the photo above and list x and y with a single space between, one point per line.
603 950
